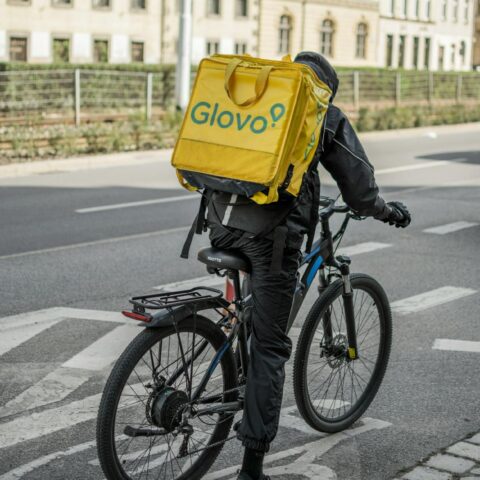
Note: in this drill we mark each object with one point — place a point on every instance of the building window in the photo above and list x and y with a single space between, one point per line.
428 9
213 46
441 58
417 8
453 56
463 50
391 7
466 11
444 9
405 8
241 8
426 54
455 10
102 3
61 50
326 38
416 45
19 2
138 4
284 34
62 3
100 51
389 51
137 52
213 7
401 51
240 48
18 49
361 50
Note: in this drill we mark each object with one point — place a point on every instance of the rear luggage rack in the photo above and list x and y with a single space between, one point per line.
174 299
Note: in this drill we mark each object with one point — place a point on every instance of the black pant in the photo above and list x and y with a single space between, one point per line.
270 347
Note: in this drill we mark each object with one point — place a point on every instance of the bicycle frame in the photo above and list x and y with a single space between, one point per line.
320 256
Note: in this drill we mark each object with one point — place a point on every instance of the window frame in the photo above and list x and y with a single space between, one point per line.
209 41
214 14
109 46
247 10
364 34
64 5
135 9
137 42
324 31
102 8
19 35
242 43
285 29
60 37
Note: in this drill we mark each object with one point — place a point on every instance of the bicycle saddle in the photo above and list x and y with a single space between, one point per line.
216 258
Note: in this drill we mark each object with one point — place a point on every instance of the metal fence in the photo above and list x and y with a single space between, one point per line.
75 96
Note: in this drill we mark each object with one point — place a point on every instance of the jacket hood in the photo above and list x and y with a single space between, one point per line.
322 68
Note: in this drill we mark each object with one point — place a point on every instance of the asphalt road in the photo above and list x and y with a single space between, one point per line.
73 244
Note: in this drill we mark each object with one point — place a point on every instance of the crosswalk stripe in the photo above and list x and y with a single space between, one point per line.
430 299
450 227
60 383
456 345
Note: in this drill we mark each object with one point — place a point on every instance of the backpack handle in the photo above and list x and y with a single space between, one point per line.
260 83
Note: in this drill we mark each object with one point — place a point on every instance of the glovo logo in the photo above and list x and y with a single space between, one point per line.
203 114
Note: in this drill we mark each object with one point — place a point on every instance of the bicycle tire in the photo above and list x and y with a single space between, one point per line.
316 313
141 344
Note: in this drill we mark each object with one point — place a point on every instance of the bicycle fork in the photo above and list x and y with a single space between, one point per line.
347 296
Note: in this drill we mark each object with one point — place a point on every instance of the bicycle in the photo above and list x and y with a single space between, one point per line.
171 398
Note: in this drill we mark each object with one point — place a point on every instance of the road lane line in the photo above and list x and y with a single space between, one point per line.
73 373
430 299
416 166
360 248
141 203
450 227
456 345
135 236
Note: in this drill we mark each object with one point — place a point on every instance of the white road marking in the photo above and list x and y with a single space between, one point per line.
60 383
450 227
141 203
416 166
430 299
206 281
311 451
13 337
365 247
104 241
456 345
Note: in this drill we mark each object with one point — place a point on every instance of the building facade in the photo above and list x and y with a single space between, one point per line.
410 34
476 44
426 34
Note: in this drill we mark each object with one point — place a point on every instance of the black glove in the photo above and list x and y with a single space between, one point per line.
398 215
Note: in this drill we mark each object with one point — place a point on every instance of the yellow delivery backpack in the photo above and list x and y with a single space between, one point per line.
251 128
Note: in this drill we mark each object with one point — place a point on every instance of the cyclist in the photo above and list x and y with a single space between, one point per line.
271 237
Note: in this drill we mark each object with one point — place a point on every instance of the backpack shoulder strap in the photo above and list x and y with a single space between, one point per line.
199 224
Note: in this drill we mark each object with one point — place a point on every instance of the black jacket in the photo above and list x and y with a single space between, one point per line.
341 154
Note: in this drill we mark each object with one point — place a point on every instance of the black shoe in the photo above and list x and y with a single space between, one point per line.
246 476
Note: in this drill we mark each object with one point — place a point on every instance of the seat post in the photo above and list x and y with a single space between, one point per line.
234 275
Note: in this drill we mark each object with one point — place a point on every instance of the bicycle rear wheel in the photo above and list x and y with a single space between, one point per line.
147 392
332 391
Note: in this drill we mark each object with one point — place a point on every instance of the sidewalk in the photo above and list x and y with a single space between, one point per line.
153 156
458 461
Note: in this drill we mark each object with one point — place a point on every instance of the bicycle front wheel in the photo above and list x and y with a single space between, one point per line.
332 391
147 426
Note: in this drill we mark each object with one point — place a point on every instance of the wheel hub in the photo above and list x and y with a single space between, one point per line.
336 352
167 407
